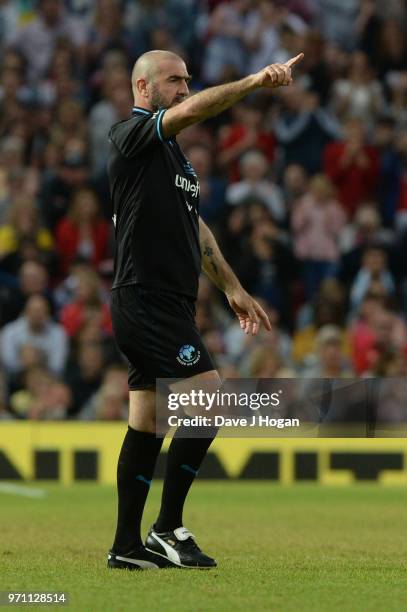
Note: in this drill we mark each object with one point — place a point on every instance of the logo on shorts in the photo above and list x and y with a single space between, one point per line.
188 355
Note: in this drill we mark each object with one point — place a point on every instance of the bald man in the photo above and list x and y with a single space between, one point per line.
161 246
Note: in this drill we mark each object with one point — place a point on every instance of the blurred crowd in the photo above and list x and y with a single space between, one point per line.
304 187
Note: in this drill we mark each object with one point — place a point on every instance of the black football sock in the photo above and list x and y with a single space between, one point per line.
184 459
135 470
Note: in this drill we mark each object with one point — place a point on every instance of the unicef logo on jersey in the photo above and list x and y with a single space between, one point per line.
188 355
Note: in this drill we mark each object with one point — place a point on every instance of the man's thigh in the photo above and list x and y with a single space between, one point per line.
157 333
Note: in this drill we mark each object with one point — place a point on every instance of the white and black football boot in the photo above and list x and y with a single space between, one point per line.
179 548
139 559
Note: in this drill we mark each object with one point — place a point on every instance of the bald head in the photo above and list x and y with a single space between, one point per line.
159 79
149 63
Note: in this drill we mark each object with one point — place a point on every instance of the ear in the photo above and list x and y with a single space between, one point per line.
142 87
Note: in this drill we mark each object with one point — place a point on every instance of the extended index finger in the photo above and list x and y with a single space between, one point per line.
294 60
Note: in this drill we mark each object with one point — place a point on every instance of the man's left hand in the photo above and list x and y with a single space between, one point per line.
250 314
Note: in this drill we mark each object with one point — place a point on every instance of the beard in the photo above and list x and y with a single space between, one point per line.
158 101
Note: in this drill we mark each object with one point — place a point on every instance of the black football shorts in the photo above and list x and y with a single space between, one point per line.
156 332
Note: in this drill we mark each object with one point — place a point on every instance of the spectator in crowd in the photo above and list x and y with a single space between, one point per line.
362 329
12 148
266 363
397 97
23 227
36 41
261 35
70 123
365 230
84 374
110 402
114 106
390 52
391 364
317 220
327 308
331 361
87 306
26 184
35 328
13 90
319 73
373 275
113 62
108 31
401 210
245 133
64 292
32 279
266 263
92 332
225 53
390 168
254 183
82 233
233 233
63 179
360 94
12 16
304 128
377 335
44 396
61 83
295 184
336 19
353 166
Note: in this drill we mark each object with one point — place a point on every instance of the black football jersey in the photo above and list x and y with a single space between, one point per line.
155 197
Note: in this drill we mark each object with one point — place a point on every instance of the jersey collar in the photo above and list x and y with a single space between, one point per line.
142 111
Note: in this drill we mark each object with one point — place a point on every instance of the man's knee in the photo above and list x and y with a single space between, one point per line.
142 408
198 388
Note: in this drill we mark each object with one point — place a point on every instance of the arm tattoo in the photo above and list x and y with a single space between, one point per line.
208 252
214 267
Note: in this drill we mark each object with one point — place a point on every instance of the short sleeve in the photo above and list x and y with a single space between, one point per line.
138 134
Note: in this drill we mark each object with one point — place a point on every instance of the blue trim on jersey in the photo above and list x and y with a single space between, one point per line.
137 109
159 121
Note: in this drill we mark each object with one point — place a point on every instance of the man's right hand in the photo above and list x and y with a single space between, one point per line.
214 100
277 75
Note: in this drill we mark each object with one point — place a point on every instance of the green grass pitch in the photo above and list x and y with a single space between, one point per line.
305 547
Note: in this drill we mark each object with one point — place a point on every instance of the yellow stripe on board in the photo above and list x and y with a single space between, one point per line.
21 441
